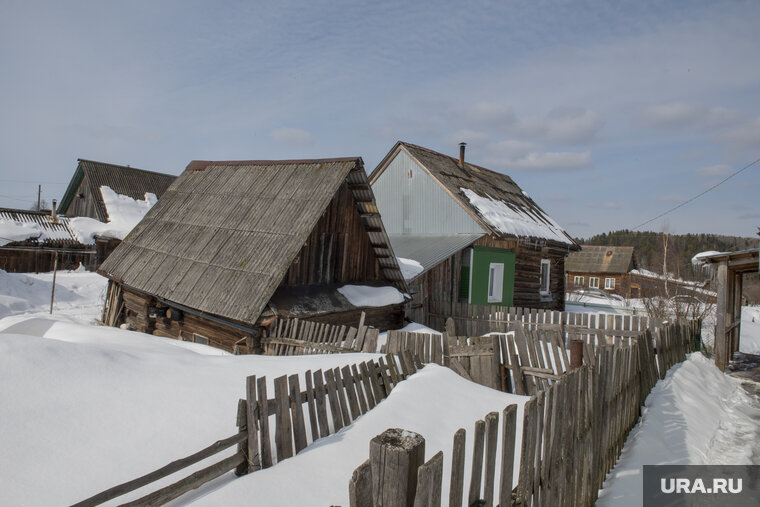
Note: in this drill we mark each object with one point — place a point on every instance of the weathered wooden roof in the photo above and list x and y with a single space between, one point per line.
223 235
493 199
601 259
121 179
44 230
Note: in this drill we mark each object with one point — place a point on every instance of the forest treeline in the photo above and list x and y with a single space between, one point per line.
649 248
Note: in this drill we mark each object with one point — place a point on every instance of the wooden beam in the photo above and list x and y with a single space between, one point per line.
721 343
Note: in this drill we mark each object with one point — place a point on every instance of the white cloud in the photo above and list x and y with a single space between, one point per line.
715 171
682 114
545 161
292 136
572 125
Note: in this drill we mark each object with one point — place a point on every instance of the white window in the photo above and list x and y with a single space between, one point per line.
199 338
545 270
495 282
609 283
578 280
593 282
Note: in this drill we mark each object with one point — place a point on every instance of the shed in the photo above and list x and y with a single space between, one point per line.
606 267
479 238
233 244
730 270
83 197
30 241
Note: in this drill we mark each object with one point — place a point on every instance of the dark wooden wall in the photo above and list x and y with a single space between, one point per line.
441 283
14 261
338 249
83 206
622 282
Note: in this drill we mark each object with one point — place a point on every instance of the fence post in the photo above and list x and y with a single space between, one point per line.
360 487
395 455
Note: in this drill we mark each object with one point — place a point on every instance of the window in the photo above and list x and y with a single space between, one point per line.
609 283
495 282
593 282
578 280
545 270
198 338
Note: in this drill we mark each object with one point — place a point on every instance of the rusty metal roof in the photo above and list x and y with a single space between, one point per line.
224 234
601 259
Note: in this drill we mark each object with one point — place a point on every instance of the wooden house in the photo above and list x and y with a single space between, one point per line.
83 196
478 237
34 240
603 267
230 246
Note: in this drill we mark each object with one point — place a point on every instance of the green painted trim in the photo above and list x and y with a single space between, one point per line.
482 257
71 190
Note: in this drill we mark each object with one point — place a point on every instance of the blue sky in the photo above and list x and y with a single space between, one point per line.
606 113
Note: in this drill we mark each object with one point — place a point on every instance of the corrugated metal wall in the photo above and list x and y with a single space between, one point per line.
411 202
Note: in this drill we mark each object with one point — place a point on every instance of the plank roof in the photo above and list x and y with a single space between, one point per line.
123 180
601 259
224 234
493 199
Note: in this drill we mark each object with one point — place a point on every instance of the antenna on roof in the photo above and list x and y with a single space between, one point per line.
461 154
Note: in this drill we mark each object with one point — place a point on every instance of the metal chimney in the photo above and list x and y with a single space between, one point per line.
461 154
52 211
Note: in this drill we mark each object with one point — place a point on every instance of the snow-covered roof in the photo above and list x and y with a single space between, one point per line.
22 226
123 213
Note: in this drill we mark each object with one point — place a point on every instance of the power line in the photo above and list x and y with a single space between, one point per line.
698 195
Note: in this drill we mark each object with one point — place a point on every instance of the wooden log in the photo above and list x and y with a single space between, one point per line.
477 463
254 457
360 486
296 413
456 483
395 456
508 433
492 434
266 446
319 395
429 482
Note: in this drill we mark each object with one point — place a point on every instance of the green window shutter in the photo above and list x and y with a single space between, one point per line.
464 283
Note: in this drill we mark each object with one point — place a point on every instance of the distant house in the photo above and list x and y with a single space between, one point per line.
31 240
603 267
477 237
84 198
232 245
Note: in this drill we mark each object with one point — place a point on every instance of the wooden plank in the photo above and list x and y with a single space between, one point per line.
348 385
266 446
282 433
387 386
311 403
366 382
492 433
296 413
456 483
527 453
359 391
342 401
254 458
360 486
374 378
429 482
319 395
508 433
332 396
477 463
392 369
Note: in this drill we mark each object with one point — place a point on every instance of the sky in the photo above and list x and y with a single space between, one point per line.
606 113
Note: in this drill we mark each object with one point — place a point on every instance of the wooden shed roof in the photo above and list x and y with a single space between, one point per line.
223 235
601 259
492 198
43 228
121 179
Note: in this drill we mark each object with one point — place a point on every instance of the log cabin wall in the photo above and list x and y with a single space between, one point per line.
622 282
29 261
338 250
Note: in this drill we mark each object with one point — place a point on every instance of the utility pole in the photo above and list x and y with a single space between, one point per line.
39 195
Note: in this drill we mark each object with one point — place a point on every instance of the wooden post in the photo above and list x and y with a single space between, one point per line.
721 342
456 484
360 487
576 354
55 272
429 479
395 455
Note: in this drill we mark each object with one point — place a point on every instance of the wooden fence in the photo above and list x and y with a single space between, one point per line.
571 435
331 400
295 337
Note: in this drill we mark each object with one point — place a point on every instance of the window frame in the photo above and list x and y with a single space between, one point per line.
608 285
545 290
591 280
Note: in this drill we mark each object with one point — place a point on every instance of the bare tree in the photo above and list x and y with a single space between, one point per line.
43 205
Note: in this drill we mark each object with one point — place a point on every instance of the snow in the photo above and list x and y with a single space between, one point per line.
698 260
123 214
695 416
12 230
409 268
511 220
364 295
749 343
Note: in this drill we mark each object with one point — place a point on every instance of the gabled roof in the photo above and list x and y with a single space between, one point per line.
224 234
121 179
37 227
601 259
493 199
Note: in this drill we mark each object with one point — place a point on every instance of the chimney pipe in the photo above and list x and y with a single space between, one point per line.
52 211
461 154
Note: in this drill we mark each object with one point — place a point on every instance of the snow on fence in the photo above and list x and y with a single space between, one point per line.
349 392
295 337
571 435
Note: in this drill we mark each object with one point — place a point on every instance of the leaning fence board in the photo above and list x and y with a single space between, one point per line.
477 463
